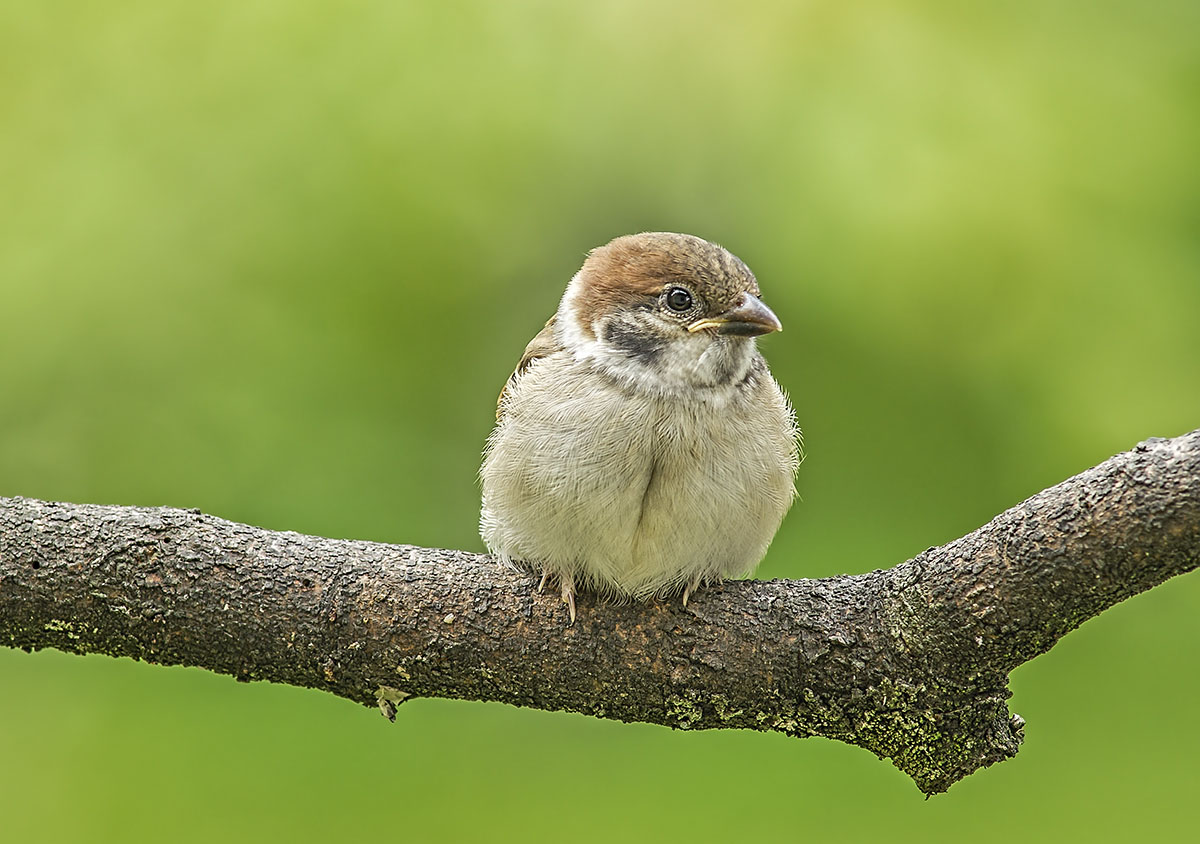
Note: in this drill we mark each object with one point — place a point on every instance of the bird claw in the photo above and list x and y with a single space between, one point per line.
568 594
568 589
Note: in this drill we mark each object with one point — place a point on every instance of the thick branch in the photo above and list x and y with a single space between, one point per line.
911 663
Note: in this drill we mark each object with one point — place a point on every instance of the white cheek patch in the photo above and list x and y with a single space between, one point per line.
570 332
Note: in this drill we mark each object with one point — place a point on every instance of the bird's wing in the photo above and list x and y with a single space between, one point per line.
542 345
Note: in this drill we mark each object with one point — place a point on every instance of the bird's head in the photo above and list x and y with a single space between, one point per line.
665 311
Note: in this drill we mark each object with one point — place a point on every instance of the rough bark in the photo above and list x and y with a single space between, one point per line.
911 663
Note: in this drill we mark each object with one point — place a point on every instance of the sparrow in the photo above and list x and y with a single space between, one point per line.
642 447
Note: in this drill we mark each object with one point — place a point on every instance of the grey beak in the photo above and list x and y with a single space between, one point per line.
748 318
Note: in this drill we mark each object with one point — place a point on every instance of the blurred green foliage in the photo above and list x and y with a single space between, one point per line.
275 260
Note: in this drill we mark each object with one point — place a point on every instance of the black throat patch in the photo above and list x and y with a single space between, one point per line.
634 340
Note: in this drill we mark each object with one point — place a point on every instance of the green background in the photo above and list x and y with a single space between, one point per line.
275 259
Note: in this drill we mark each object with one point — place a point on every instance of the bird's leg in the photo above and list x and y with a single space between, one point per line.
568 592
690 589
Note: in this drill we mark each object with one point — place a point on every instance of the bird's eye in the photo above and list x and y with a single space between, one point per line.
679 299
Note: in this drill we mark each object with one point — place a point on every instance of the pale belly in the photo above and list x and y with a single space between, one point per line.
635 498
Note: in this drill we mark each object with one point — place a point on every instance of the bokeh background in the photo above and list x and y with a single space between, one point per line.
275 259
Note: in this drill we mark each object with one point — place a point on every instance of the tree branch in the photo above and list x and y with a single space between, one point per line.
911 663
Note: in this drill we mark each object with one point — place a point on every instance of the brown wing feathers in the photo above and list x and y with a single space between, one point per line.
542 345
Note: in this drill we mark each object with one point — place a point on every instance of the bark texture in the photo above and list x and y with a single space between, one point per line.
911 663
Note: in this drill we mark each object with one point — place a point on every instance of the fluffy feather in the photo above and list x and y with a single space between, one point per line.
631 456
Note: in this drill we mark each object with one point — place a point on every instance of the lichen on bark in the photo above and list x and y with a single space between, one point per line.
911 662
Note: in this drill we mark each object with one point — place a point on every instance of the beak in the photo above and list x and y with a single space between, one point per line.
748 318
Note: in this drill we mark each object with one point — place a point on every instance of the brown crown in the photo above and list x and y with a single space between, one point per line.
635 267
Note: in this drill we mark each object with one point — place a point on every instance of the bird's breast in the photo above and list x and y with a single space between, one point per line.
629 490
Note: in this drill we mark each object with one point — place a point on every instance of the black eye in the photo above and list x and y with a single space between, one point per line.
678 299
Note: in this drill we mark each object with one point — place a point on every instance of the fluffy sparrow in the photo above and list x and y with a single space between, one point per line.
641 446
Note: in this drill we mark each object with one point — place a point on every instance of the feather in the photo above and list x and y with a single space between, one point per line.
544 344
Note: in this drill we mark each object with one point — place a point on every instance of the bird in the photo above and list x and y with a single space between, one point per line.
642 447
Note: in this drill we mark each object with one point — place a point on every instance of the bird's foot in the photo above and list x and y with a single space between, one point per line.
690 589
568 593
567 582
